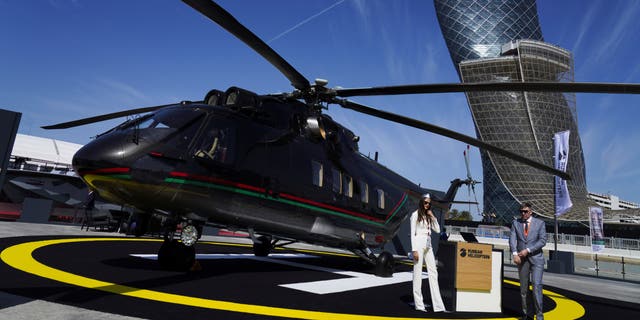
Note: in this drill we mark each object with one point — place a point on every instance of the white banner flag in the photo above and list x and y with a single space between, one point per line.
561 147
596 227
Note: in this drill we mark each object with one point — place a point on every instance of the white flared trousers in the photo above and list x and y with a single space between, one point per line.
426 255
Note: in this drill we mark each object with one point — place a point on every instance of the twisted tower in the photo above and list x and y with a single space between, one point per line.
501 40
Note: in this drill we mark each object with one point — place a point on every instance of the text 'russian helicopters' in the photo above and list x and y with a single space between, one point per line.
271 164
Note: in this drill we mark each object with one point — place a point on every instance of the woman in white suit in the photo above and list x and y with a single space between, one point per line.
423 222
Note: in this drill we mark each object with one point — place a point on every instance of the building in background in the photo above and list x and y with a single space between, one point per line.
612 202
475 29
42 154
40 171
502 41
525 123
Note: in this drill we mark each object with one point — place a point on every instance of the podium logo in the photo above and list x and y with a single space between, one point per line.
473 253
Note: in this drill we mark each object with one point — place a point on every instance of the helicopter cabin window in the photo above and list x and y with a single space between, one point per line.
380 194
318 172
347 186
217 142
364 191
336 181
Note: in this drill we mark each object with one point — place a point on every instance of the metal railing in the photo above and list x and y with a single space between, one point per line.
619 260
569 239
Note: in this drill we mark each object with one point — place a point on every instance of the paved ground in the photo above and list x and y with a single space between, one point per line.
23 296
21 308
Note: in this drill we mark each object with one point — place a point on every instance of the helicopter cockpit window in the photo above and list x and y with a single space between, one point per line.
164 119
174 118
145 123
217 143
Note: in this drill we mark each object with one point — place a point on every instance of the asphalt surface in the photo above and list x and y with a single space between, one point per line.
111 276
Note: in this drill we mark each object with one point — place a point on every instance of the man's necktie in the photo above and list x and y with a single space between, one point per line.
526 228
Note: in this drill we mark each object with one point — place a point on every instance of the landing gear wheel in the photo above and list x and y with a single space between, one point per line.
384 265
189 235
175 256
140 224
262 247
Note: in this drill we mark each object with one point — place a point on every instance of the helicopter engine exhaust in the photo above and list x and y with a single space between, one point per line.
315 128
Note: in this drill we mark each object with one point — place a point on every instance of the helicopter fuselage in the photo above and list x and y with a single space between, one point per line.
258 167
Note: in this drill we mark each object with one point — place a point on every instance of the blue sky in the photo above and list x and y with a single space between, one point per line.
61 60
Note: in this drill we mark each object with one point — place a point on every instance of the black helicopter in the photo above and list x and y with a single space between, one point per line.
272 164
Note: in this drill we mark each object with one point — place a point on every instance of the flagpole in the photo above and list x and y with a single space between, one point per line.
555 206
555 219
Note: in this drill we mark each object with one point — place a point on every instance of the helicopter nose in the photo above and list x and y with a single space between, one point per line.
104 152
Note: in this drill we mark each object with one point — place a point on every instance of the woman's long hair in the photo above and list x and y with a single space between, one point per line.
422 212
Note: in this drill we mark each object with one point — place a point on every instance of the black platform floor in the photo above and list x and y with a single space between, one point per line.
119 276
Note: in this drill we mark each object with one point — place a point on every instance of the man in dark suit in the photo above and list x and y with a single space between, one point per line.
528 237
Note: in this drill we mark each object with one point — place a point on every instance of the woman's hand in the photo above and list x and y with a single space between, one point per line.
415 256
430 213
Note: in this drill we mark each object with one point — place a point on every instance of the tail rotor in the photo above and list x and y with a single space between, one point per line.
470 182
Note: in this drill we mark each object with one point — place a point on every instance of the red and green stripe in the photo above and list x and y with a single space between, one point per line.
263 193
258 192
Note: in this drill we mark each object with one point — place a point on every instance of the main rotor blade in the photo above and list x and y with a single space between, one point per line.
108 116
539 86
456 202
449 133
224 19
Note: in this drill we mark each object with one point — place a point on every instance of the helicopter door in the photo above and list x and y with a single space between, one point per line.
217 143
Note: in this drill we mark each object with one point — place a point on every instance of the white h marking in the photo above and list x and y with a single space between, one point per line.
353 281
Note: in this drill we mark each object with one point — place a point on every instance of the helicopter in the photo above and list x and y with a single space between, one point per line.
274 165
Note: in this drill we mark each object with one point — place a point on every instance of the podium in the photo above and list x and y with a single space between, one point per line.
470 276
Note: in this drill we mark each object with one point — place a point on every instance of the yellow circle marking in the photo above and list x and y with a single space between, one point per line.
565 307
20 257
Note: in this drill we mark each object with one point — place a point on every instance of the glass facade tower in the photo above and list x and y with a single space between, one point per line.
475 29
484 38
